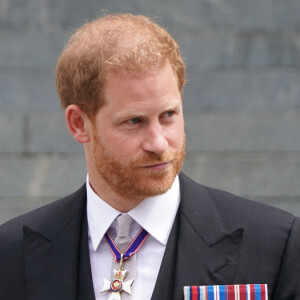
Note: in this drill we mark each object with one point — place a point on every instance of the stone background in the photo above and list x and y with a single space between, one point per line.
242 100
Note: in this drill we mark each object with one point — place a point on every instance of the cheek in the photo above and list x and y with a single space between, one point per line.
123 147
176 136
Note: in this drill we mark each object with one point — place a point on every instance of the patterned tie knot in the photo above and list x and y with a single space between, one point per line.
123 238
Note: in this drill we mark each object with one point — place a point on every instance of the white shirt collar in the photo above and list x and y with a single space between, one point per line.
155 214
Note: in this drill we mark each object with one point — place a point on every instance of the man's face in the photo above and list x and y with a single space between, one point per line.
138 138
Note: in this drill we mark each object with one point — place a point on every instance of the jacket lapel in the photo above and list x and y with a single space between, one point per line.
165 281
51 249
201 250
85 280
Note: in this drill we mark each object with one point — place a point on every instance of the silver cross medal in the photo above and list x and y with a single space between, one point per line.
117 285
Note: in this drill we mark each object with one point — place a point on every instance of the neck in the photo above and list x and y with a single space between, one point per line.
115 200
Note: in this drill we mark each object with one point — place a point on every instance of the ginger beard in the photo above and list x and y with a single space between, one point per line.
131 179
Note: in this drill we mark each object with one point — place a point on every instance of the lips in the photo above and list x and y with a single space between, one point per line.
158 166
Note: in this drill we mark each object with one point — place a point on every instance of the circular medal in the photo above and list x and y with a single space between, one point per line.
116 286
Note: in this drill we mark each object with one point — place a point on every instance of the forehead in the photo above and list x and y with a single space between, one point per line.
139 85
135 94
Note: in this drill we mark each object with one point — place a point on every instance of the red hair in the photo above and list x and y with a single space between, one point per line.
114 43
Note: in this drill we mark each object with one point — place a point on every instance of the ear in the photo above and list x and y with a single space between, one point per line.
78 123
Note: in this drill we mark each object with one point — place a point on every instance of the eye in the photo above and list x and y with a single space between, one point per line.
134 121
170 113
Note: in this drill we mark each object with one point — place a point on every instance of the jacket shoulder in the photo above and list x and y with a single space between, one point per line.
42 218
234 209
49 222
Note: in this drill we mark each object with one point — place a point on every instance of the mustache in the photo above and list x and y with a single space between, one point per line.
154 159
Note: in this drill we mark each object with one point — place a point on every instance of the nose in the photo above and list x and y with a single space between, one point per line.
155 140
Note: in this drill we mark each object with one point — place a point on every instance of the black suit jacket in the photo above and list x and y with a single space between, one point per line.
217 238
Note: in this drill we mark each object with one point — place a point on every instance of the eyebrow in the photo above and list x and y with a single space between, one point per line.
135 114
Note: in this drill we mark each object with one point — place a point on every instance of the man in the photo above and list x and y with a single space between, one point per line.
120 81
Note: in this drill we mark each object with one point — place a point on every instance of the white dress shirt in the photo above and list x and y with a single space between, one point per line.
155 214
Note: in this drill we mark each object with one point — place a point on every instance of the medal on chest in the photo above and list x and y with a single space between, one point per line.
118 284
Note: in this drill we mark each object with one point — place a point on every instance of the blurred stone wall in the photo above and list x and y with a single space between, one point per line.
241 102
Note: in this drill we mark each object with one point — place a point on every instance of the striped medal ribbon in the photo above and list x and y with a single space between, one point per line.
227 292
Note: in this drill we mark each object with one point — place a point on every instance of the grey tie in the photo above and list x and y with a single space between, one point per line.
122 242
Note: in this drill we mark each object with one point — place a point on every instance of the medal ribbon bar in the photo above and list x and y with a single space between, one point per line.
227 292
